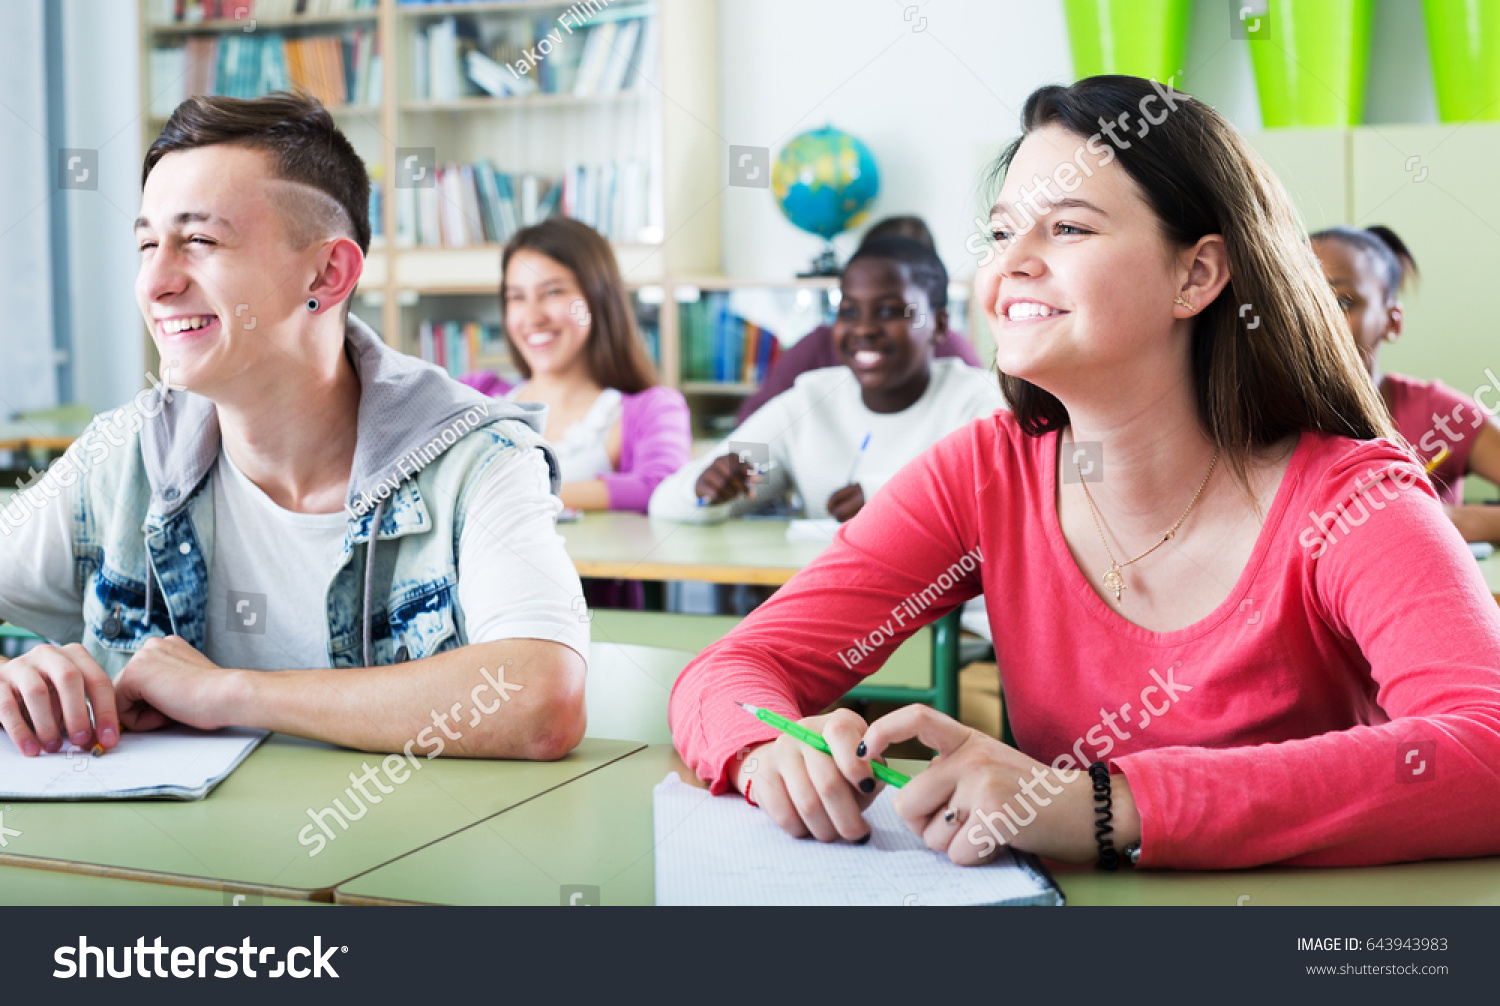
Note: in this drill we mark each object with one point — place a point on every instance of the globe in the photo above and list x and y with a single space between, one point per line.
824 181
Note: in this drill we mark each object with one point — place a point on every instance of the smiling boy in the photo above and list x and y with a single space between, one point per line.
280 546
841 433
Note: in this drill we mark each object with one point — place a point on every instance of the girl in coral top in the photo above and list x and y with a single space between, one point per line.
1367 269
1213 580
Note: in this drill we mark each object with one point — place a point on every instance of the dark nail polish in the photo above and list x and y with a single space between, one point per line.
861 749
863 841
867 785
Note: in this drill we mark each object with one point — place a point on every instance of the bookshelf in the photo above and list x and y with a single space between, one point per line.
667 121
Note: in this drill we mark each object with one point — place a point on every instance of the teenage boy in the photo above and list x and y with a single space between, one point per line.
317 534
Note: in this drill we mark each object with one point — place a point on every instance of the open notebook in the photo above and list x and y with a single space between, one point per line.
721 851
174 762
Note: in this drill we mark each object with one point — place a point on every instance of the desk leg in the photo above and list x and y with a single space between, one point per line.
945 663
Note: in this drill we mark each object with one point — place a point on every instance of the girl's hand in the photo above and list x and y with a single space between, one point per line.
846 502
725 479
979 794
805 791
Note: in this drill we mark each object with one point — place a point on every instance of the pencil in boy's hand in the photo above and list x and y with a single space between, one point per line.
884 773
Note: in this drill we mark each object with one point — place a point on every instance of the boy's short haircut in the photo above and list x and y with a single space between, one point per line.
305 145
922 264
912 227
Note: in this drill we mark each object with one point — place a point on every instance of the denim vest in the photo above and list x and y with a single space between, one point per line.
143 524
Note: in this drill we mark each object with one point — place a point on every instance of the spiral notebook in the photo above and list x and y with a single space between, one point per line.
721 851
176 763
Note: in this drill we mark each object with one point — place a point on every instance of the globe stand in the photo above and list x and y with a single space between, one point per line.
826 263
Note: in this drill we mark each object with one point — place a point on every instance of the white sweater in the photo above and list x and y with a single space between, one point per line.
814 430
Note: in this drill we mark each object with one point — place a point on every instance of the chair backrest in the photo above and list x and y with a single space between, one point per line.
627 689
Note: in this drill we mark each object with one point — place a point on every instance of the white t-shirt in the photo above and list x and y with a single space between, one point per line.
583 449
814 430
516 582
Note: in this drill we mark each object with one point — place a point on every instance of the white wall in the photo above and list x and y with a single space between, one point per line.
103 113
937 104
27 378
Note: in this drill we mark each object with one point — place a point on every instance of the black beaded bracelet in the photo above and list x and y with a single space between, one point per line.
1109 858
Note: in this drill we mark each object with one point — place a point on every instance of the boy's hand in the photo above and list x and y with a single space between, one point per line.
45 696
725 479
168 681
846 502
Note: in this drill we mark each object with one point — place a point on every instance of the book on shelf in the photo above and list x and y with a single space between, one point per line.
465 57
458 347
337 69
197 11
719 345
474 204
377 202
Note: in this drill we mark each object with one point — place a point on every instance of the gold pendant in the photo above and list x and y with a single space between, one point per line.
1114 581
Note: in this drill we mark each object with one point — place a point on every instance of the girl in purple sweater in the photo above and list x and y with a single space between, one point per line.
571 334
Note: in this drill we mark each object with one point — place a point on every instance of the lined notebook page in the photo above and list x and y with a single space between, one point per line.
177 762
721 851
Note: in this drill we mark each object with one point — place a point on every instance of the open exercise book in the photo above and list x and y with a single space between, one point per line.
177 763
721 851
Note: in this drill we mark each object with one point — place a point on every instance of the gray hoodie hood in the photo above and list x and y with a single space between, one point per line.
409 413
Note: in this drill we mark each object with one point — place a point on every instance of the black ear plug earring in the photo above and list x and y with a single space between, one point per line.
312 304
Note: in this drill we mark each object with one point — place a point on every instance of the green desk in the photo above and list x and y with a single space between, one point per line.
40 435
1452 882
632 546
597 830
244 837
1491 569
23 886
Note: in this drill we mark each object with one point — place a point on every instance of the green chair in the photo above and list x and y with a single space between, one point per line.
627 690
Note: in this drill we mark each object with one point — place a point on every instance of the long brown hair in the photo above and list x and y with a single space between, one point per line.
615 355
1284 364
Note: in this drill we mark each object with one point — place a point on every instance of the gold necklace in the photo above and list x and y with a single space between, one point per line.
1113 579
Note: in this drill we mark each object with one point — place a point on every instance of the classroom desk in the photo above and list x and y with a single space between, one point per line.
243 837
27 886
632 546
1491 569
32 435
597 830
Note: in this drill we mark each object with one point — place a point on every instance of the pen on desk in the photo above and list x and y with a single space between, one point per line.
814 740
858 457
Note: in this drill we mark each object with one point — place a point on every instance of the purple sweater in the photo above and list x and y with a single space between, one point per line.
655 439
816 350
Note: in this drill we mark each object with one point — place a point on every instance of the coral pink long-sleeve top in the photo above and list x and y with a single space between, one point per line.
1340 707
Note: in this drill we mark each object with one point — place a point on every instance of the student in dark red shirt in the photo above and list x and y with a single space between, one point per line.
1367 269
1213 579
816 350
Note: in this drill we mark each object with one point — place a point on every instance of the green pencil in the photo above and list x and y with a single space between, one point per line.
882 772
